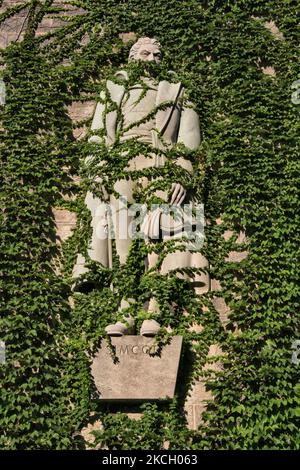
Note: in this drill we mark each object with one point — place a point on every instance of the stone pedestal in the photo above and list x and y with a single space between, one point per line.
137 370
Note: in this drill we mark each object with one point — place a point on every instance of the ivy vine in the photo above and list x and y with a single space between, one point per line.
246 173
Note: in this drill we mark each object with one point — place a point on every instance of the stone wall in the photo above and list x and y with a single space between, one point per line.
13 28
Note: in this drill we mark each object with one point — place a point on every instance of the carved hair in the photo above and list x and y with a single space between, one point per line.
141 42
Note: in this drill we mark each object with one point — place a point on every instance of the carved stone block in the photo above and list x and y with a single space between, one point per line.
137 369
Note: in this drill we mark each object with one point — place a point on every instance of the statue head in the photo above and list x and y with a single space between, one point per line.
146 49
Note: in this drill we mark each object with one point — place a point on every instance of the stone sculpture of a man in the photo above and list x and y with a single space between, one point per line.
170 121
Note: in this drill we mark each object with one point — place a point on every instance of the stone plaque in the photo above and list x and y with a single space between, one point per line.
138 370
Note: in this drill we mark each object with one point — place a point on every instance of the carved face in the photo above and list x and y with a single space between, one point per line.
147 50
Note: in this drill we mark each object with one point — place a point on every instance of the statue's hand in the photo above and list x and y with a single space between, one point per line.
178 194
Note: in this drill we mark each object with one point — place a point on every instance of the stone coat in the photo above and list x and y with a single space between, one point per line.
177 123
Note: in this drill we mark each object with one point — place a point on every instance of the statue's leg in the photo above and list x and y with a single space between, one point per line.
153 307
98 250
151 326
122 219
172 261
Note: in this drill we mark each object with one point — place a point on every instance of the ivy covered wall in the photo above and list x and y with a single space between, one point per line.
238 59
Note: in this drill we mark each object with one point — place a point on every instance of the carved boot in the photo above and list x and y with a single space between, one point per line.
149 328
120 329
